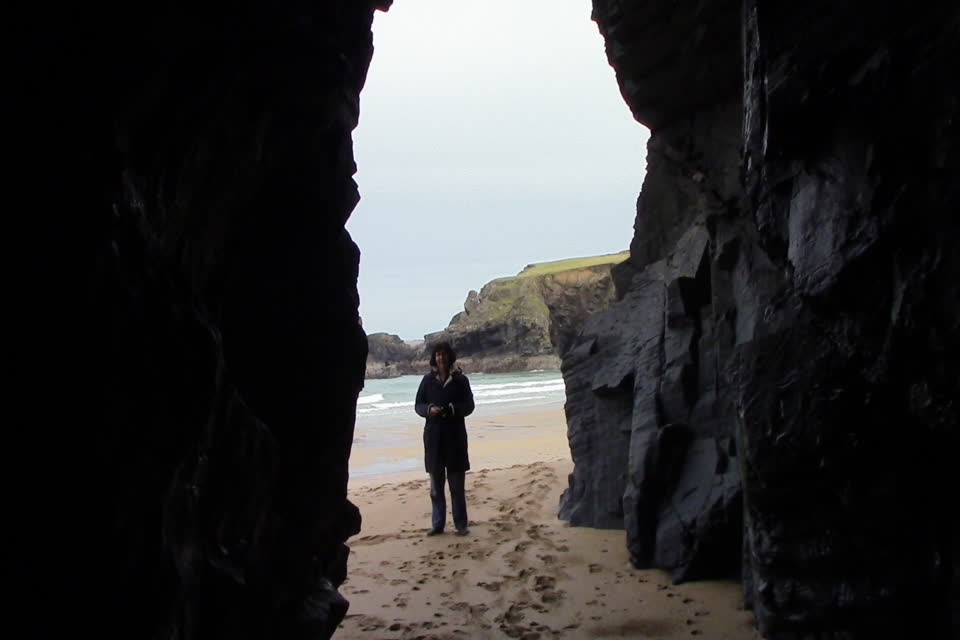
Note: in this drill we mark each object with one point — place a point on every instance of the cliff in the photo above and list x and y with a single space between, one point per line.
527 321
517 323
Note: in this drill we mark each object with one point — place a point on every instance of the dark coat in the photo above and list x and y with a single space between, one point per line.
445 437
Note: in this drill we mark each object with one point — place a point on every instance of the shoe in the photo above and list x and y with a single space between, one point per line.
462 532
434 532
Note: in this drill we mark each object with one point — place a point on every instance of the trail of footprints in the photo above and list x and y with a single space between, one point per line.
518 604
526 549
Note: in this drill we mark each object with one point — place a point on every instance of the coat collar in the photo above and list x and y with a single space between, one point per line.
453 372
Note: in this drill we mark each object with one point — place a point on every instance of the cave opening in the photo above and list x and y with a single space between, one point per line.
186 350
516 148
491 136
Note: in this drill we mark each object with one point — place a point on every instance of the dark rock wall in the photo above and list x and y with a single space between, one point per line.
178 466
784 348
649 416
849 403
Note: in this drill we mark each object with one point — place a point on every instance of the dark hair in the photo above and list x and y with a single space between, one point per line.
444 346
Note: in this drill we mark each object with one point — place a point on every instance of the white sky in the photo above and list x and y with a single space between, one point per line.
492 134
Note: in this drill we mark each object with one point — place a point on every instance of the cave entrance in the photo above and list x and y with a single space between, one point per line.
492 135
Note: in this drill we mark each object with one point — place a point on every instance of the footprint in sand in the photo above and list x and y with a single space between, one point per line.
367 623
544 582
513 614
545 586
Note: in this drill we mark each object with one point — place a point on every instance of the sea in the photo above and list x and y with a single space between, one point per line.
386 417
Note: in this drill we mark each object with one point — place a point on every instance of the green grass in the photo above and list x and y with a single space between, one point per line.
543 268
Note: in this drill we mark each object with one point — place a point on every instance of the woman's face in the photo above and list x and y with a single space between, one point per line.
441 359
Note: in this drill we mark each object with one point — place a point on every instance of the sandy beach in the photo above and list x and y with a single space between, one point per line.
521 572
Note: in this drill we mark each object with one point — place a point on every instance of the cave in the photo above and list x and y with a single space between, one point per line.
185 350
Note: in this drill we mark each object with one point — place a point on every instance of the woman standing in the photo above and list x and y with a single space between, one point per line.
444 399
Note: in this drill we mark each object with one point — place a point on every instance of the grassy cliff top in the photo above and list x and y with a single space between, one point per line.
543 268
521 296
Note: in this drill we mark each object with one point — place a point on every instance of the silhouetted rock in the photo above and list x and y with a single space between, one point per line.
187 349
786 333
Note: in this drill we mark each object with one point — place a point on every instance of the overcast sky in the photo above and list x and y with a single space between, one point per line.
492 134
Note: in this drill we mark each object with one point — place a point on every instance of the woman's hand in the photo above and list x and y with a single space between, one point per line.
434 411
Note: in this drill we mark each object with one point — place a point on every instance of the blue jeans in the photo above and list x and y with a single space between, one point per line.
458 498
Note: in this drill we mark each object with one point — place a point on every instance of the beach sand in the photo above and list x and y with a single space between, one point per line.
521 572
